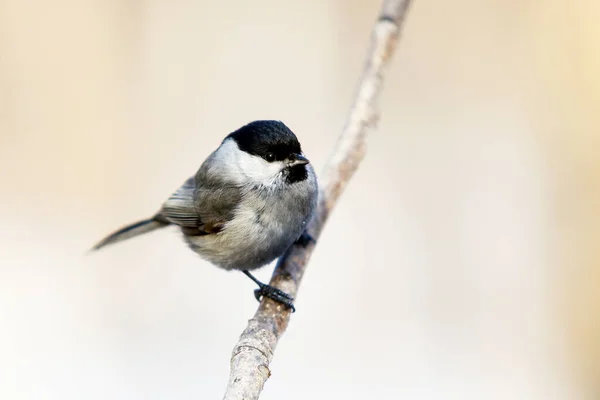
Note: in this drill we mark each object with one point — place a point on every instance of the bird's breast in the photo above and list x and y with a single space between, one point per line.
264 226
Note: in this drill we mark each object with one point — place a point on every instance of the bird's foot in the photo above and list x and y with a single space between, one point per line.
271 292
275 295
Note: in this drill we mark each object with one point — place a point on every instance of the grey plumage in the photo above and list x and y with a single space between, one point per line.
263 224
248 202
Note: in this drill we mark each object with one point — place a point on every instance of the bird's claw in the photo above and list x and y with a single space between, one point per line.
275 295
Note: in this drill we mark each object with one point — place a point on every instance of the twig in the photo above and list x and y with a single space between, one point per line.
253 353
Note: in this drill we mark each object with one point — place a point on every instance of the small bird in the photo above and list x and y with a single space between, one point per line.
248 203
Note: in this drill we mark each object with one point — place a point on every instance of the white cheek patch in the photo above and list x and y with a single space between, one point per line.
242 167
258 170
224 162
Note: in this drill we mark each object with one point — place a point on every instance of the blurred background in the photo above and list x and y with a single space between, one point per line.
463 262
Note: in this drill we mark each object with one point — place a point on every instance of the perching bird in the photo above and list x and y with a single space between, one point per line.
248 203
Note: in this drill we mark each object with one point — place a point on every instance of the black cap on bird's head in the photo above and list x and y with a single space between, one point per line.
270 140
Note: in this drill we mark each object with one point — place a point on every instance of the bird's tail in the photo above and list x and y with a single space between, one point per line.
132 230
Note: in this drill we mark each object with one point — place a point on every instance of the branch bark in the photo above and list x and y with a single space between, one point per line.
254 351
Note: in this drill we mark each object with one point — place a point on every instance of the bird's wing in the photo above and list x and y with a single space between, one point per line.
202 209
216 206
179 208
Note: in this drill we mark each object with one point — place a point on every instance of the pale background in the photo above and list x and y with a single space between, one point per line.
461 263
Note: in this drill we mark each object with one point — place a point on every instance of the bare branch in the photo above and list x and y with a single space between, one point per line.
253 353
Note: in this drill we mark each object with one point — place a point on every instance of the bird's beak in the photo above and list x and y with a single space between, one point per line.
297 159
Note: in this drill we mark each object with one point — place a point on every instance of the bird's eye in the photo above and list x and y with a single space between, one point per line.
270 157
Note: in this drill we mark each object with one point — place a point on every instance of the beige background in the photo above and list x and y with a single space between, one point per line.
462 262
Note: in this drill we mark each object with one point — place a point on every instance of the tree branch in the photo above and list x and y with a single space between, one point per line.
254 351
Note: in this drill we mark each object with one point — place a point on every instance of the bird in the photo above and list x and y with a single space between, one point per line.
249 201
